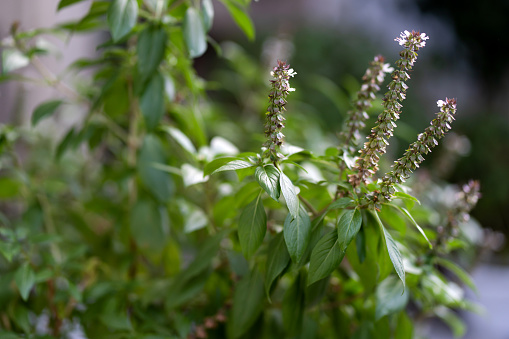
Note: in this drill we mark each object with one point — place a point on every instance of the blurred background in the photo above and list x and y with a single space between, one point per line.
329 43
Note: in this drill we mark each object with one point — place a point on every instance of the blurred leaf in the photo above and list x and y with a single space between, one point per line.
288 190
194 33
122 16
405 196
340 203
44 110
147 227
247 303
268 178
452 320
458 271
325 257
150 49
293 305
405 328
348 226
65 3
297 233
207 14
238 13
156 181
252 226
277 260
152 101
12 59
180 138
389 299
25 280
191 175
9 188
409 216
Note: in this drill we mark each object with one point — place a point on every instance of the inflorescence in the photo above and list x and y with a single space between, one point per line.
371 81
413 156
280 87
367 164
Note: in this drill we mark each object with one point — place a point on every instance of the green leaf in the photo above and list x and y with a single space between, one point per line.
247 304
293 305
240 16
288 190
277 260
348 226
159 183
392 248
150 49
147 227
182 139
13 59
25 279
405 196
231 165
405 328
297 233
452 320
340 203
458 271
389 299
316 235
326 256
252 226
152 101
207 14
409 216
122 16
194 33
44 110
268 178
65 3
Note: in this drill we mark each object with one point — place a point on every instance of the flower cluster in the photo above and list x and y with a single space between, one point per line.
371 81
280 87
367 164
404 166
467 199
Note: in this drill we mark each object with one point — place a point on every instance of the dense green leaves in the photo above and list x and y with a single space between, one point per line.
45 110
247 304
297 233
252 226
122 16
194 33
290 194
268 178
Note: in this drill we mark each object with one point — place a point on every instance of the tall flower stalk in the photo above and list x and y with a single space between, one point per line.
413 156
367 164
375 75
274 123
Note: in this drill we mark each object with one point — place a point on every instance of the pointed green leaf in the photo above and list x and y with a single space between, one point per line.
297 233
232 165
65 3
207 14
392 248
277 260
288 190
247 304
194 33
44 110
389 299
401 195
152 101
340 203
182 139
268 178
159 183
326 256
252 226
150 50
409 216
458 271
348 226
243 20
122 16
25 279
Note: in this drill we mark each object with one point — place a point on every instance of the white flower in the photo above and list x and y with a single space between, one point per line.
291 72
441 103
386 68
271 73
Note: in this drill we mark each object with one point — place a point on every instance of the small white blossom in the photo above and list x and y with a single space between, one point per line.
441 103
386 68
291 72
